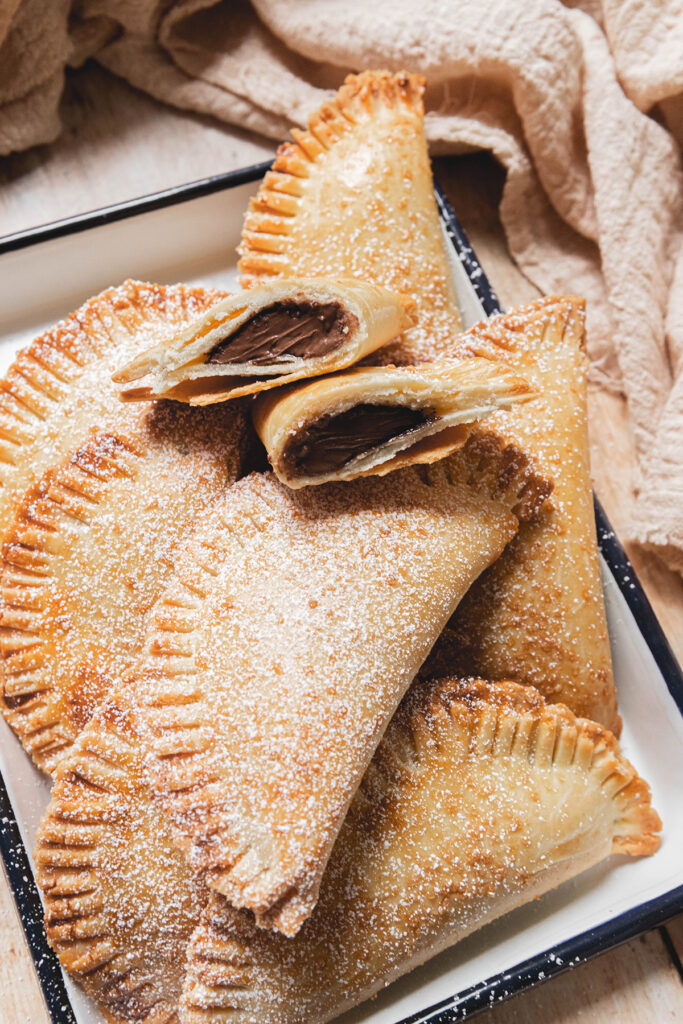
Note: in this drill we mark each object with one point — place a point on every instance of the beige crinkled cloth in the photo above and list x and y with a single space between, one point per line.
582 104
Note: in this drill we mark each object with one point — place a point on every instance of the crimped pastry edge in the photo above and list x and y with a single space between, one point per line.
68 870
285 182
64 498
168 694
219 962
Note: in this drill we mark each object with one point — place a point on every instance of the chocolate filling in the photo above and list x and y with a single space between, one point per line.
331 442
302 329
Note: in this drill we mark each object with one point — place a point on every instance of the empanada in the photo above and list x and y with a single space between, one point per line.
354 195
266 337
89 551
375 419
59 388
405 880
120 901
480 798
295 623
538 615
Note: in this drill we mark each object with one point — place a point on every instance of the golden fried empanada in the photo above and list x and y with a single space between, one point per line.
90 549
375 419
406 878
480 798
58 388
120 901
538 614
266 337
295 622
354 195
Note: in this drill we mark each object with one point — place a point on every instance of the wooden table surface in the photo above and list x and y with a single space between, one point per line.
118 144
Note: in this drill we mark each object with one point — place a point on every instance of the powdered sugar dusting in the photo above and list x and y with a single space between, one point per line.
59 387
120 900
363 207
373 183
298 621
460 818
316 610
91 544
538 615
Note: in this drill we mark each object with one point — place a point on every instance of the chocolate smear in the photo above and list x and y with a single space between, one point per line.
301 329
330 443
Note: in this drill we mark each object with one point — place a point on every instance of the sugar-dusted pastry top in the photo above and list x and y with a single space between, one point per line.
538 615
90 549
283 331
294 624
354 195
480 798
375 419
120 901
564 650
59 386
461 759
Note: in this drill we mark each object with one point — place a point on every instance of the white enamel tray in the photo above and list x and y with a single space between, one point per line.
191 234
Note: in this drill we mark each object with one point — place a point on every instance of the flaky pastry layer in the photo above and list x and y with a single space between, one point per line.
363 318
297 426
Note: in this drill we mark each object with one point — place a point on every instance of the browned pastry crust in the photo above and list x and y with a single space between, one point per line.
120 902
90 549
406 878
480 798
354 195
59 386
295 623
538 614
498 633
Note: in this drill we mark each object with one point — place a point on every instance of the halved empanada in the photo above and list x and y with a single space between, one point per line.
538 614
89 551
354 195
295 623
375 419
120 901
266 337
480 798
59 387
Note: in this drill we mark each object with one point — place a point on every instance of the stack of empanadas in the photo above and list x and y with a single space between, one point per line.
307 727
95 496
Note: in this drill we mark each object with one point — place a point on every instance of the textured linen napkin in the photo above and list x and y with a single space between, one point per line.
581 103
